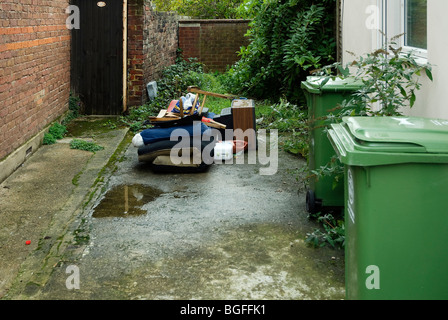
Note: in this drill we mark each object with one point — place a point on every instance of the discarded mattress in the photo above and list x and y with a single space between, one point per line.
148 136
193 155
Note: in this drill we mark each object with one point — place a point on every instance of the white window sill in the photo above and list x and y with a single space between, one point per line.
420 56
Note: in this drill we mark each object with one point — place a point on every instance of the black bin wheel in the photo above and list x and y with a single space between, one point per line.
312 204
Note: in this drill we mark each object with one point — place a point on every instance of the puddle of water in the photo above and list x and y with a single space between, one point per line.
125 201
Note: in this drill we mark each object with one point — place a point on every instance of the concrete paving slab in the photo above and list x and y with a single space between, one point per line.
39 200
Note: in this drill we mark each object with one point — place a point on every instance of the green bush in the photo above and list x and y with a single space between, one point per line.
74 107
176 78
49 139
288 39
333 233
390 80
290 120
85 145
57 131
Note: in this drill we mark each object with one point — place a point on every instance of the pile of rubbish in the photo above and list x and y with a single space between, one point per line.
186 136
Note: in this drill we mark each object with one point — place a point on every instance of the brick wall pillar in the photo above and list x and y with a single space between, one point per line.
135 52
34 68
152 45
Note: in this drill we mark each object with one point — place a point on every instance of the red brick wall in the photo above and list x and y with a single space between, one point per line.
135 52
160 42
214 42
34 68
152 46
189 40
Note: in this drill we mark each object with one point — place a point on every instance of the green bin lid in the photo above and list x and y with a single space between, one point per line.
313 84
386 140
417 134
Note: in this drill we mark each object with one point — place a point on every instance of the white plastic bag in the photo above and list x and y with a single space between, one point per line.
137 141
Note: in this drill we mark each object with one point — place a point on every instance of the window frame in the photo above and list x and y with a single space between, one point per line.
418 52
394 23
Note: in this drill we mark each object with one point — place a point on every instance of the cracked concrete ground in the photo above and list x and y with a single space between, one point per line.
227 233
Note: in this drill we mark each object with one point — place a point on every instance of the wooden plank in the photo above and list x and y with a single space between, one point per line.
202 106
195 89
212 123
181 108
161 114
155 119
194 104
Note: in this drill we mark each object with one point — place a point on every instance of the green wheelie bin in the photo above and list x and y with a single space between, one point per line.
396 219
323 100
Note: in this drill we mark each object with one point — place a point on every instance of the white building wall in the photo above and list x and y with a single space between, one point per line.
356 37
360 37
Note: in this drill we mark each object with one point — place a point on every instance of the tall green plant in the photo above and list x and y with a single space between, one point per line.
389 81
288 38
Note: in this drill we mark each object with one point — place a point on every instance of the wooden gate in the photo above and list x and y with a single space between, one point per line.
97 56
